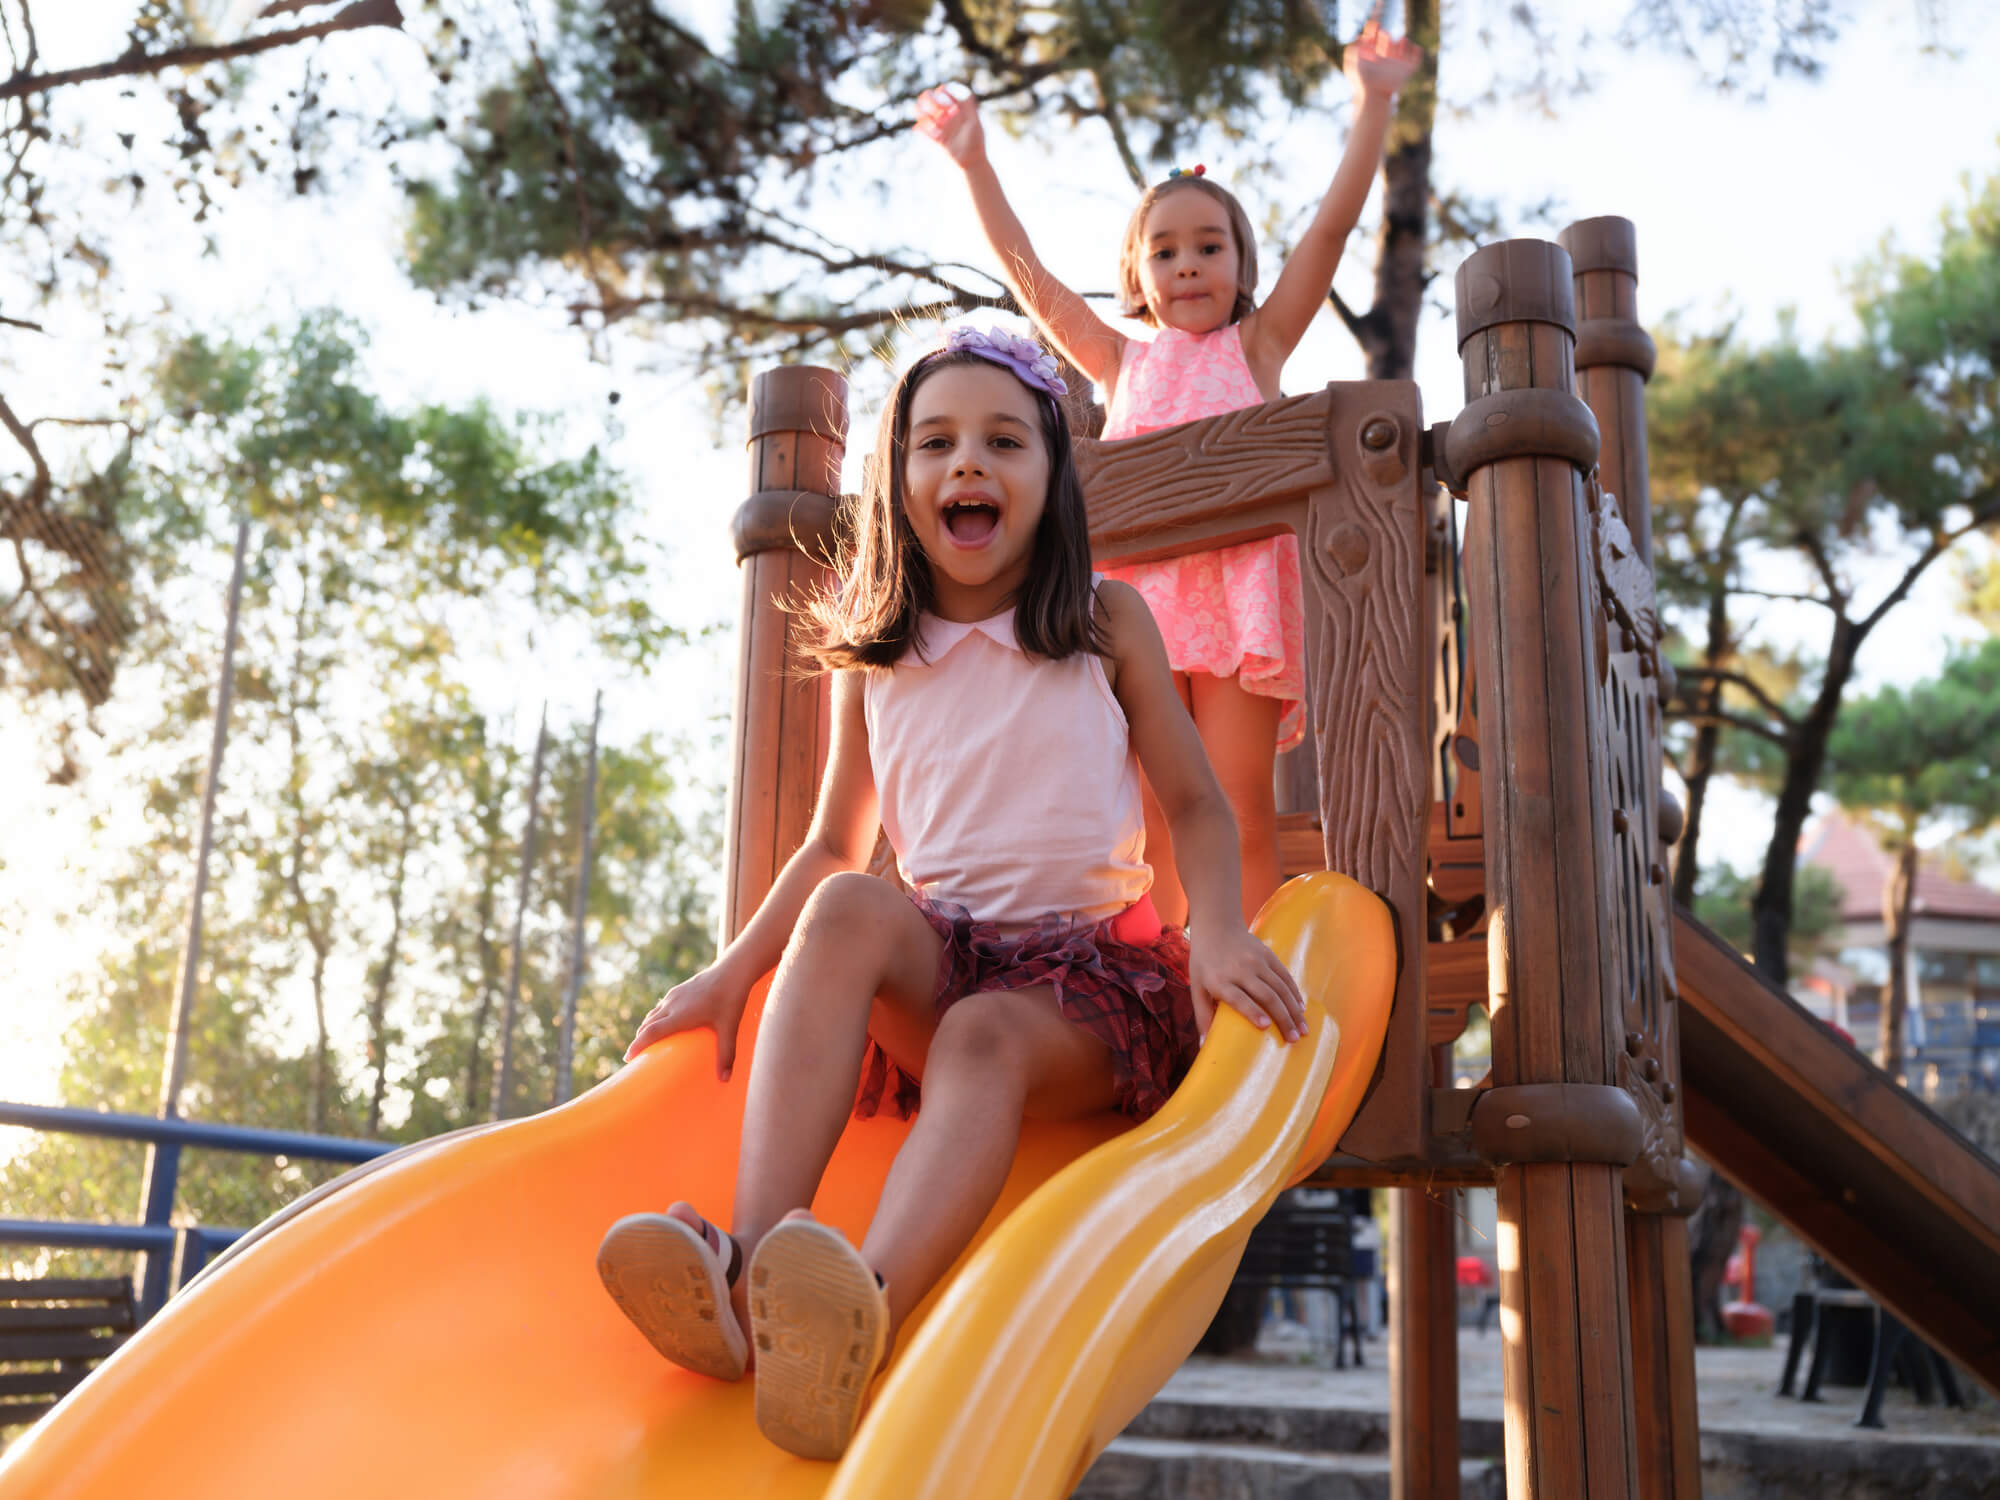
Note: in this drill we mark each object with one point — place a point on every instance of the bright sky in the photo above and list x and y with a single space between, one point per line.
1740 206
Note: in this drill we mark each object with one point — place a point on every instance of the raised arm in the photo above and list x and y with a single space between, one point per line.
1377 65
1086 340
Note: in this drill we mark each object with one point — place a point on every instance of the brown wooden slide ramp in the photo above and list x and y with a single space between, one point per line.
1890 1193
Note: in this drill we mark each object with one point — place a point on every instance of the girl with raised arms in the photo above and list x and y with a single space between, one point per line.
1233 618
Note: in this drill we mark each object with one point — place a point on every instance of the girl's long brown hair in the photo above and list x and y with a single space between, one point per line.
869 618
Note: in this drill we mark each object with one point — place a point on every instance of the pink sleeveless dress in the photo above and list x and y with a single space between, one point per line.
1235 612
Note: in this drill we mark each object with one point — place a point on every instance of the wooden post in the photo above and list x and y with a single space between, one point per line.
784 537
1668 1427
1423 1336
1614 359
1556 1122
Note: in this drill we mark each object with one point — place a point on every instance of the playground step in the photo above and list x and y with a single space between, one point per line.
1135 1468
1327 1429
1735 1466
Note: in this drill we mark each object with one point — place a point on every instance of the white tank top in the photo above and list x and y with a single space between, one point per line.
1007 782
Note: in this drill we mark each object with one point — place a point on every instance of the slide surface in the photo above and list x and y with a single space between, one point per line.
1895 1197
435 1327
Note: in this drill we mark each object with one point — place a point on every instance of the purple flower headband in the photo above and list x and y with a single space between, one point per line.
1032 364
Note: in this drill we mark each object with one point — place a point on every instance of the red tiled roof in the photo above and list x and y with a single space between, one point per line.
1848 852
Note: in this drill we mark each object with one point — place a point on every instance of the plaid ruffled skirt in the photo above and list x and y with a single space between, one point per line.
1123 981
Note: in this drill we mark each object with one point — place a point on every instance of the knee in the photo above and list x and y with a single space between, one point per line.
843 904
976 1034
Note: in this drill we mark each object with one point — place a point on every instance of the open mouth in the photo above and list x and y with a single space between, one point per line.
971 521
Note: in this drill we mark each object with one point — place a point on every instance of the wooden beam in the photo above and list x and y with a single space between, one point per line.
1800 1120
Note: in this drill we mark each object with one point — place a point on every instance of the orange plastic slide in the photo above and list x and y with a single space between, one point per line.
435 1328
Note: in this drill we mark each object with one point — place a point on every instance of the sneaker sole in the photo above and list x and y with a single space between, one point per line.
664 1277
819 1321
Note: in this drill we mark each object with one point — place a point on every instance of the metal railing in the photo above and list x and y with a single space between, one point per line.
170 1255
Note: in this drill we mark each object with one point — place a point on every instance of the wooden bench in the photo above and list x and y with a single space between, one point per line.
53 1332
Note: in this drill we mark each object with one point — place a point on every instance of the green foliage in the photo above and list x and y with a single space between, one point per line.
673 143
1829 456
371 808
1928 751
1832 477
650 176
462 499
1979 591
1723 900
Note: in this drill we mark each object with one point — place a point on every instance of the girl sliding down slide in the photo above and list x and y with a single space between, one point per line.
993 704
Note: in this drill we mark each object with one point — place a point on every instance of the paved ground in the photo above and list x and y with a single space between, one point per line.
1738 1389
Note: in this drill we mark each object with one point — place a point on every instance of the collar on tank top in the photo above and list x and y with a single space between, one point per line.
937 636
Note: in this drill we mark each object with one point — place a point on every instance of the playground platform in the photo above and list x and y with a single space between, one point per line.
1275 1424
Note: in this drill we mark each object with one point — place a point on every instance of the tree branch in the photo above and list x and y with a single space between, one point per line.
1817 552
568 128
25 436
85 422
355 17
1735 721
1749 593
1355 326
1107 110
968 35
1941 543
772 322
1765 701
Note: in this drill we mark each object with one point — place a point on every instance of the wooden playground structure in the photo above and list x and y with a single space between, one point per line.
1622 1031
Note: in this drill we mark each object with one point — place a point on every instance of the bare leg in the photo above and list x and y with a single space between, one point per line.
993 1059
1169 899
1239 729
858 938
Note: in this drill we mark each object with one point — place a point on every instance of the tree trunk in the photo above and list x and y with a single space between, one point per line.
1898 899
316 938
1701 758
503 1071
378 1002
1701 766
322 1072
477 1074
322 1075
1805 758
